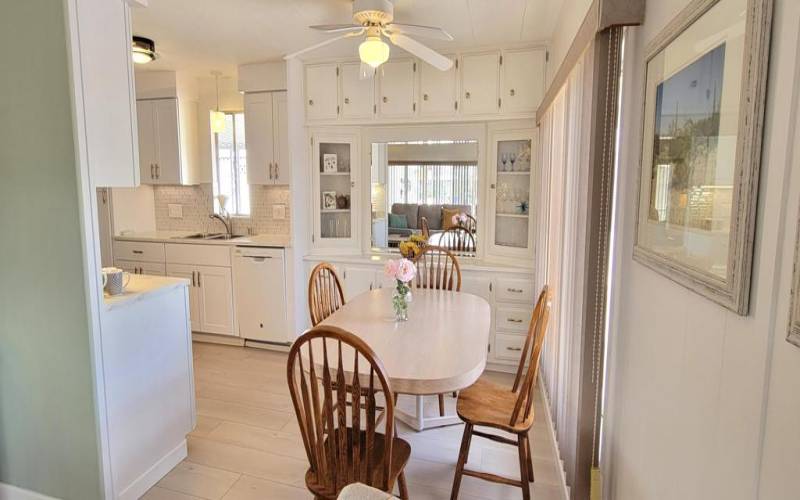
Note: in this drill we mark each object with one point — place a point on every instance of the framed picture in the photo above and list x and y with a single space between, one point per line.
329 200
705 85
329 162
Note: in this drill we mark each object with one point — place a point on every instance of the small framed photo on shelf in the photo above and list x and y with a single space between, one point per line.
329 163
329 200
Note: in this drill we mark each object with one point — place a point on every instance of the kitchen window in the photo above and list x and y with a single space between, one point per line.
230 166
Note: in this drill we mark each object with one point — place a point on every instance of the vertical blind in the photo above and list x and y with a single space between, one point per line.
433 183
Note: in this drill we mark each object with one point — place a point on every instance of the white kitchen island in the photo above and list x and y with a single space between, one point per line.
149 386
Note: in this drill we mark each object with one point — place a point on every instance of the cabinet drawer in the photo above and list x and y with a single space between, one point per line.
199 255
136 267
512 319
139 250
515 290
508 347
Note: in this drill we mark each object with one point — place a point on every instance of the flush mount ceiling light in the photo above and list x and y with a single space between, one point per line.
143 50
375 20
217 117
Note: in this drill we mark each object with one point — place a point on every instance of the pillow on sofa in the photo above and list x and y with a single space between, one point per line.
398 221
447 217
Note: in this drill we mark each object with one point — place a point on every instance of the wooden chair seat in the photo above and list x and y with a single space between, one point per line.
488 404
401 452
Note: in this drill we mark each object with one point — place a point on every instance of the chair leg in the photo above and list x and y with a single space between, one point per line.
401 483
462 459
523 467
441 405
530 460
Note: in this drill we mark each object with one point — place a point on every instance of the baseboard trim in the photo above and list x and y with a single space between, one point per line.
549 416
154 474
11 492
217 339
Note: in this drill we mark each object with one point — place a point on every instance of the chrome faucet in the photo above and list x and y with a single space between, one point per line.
226 220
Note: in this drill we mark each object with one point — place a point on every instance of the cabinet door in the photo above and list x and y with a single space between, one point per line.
188 272
523 80
168 150
437 91
357 94
480 83
321 92
396 97
259 137
282 172
335 160
480 285
146 120
216 299
357 280
104 66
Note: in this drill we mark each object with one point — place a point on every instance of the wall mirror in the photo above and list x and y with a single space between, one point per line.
425 188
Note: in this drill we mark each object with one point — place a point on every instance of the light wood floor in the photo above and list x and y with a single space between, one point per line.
247 446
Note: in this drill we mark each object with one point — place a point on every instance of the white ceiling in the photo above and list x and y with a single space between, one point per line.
203 35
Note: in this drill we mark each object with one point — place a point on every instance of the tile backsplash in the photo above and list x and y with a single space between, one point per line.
197 203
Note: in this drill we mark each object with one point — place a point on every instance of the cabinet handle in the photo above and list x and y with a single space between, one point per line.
511 92
311 102
347 100
152 171
270 170
466 95
513 348
492 186
276 170
200 283
424 97
158 171
193 278
514 290
512 320
138 252
385 99
490 286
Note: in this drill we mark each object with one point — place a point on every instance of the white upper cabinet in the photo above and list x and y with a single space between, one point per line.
322 92
523 76
102 69
396 84
167 141
358 95
480 83
258 131
438 91
267 138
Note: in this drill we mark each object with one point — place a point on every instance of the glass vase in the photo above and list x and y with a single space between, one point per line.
400 300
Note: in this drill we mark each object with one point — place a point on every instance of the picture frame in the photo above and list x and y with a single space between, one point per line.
329 163
329 200
702 127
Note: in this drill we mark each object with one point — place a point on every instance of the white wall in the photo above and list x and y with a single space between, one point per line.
569 20
700 405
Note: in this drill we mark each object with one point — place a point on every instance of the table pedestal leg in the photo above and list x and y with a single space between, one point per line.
418 421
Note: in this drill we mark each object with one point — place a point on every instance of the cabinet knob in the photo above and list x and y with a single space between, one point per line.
466 95
385 99
311 102
270 170
511 92
347 100
424 97
492 186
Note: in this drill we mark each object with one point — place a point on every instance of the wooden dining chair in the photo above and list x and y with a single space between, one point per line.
490 405
438 269
426 230
458 239
338 414
325 295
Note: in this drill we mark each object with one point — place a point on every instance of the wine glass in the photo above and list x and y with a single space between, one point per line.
512 158
504 159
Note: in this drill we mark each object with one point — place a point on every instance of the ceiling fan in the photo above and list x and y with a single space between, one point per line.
374 18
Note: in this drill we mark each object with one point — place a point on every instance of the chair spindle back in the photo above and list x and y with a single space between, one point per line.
325 295
437 268
525 380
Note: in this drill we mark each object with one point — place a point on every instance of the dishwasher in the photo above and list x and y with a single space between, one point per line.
259 289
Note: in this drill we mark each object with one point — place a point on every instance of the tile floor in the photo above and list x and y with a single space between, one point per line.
247 446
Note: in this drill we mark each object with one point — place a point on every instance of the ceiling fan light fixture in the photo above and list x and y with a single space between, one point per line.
143 50
373 51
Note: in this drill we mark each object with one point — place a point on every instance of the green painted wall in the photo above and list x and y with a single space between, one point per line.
48 440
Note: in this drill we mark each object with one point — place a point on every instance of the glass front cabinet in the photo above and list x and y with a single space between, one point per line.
511 175
335 196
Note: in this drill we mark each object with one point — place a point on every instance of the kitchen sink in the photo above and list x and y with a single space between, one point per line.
208 236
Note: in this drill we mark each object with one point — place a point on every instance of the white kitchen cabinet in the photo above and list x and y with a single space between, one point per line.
267 137
357 280
480 83
438 91
139 267
216 300
523 79
480 285
189 273
142 251
167 141
102 69
396 97
357 94
321 82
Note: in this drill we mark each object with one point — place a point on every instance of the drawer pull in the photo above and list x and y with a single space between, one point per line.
139 252
513 348
512 320
515 290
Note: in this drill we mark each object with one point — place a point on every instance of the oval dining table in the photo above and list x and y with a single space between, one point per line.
440 349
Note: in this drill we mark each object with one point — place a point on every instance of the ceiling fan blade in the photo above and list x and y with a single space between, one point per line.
432 32
322 44
428 55
336 28
366 72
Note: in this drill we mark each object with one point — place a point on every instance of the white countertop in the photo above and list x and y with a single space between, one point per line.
378 259
142 287
258 240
